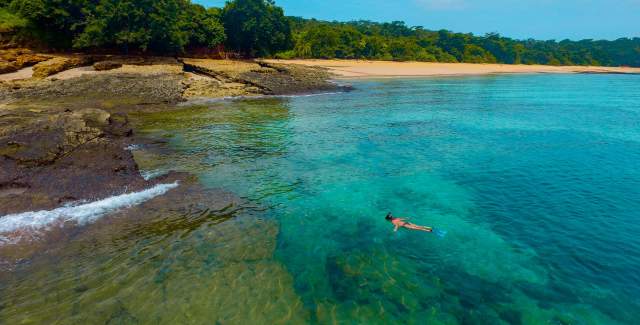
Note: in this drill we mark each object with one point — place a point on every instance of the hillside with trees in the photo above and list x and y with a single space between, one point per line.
396 41
259 28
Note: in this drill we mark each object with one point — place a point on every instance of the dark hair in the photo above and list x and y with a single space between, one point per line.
389 216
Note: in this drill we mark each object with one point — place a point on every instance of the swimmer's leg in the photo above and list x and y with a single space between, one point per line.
416 227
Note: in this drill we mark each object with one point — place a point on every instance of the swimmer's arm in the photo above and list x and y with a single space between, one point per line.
395 228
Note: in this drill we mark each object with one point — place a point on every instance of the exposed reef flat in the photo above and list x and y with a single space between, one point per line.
64 119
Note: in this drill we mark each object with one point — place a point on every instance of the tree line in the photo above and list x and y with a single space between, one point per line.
259 28
249 27
397 41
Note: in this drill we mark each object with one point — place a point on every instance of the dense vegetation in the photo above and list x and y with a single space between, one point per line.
253 27
258 28
396 41
10 21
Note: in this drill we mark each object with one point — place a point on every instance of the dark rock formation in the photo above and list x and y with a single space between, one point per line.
106 65
264 78
56 148
47 159
142 89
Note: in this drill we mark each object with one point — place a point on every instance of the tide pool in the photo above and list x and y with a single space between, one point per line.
534 177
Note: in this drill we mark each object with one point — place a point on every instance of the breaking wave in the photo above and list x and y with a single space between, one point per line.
80 214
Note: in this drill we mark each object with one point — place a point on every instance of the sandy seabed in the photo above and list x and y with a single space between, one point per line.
368 69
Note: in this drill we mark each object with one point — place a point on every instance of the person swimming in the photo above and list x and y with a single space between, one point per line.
401 222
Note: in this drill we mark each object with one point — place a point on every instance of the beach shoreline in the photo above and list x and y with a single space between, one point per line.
65 120
356 69
58 114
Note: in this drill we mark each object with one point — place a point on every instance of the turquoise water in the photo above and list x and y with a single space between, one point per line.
534 177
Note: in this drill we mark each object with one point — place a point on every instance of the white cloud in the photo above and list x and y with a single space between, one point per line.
442 4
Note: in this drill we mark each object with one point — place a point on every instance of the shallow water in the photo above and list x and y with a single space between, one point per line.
534 177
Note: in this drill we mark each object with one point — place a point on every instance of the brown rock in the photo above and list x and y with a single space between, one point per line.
27 60
270 79
58 64
7 67
106 65
12 54
50 138
57 157
94 89
223 70
278 79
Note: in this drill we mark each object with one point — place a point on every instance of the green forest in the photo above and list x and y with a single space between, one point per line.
259 28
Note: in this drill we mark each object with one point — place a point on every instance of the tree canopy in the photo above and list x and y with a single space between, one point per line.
10 22
259 28
396 41
166 26
256 27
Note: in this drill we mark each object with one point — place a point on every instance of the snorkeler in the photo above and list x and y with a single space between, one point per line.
401 222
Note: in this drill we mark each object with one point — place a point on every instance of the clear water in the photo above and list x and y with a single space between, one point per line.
535 178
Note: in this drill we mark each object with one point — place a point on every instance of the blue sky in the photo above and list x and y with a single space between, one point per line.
540 19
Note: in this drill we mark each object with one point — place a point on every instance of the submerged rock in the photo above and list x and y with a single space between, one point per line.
188 256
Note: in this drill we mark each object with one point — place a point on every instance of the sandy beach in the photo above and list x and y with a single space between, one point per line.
375 69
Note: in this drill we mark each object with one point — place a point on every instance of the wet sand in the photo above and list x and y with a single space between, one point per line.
375 69
24 73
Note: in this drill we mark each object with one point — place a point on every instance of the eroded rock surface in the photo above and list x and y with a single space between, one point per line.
261 77
106 65
135 88
52 152
47 159
19 58
59 64
151 79
8 67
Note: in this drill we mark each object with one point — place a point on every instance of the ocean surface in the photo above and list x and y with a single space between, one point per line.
535 179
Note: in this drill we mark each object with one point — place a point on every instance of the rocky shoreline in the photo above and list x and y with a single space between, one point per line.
64 130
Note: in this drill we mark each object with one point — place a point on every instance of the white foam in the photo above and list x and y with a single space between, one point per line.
133 147
80 214
151 174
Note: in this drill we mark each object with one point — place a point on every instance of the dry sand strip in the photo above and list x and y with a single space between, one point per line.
25 73
377 69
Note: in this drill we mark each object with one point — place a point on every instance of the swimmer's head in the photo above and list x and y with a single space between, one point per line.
389 216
